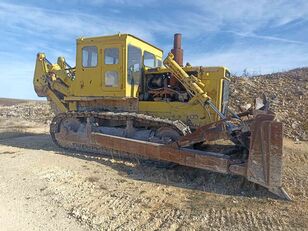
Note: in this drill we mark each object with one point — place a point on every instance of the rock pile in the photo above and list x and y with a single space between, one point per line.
287 93
35 111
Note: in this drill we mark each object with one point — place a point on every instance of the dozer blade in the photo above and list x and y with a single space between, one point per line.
265 154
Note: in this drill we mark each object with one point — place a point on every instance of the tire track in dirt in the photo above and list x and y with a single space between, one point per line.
165 219
230 219
171 219
119 209
297 182
144 208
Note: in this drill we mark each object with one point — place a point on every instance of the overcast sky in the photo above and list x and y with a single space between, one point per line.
261 36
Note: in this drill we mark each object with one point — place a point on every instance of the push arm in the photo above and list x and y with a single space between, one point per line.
192 84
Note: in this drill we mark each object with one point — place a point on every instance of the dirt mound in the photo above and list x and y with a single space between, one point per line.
34 111
287 93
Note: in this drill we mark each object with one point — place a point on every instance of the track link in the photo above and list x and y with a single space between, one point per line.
140 119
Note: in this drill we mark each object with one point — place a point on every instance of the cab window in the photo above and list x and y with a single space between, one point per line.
111 55
134 64
111 79
148 59
89 56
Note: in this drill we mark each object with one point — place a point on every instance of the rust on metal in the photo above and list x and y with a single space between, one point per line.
265 155
180 156
210 132
177 51
266 144
109 104
238 169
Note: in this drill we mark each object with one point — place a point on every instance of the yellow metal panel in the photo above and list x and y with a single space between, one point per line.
193 115
90 81
119 68
51 95
211 77
72 106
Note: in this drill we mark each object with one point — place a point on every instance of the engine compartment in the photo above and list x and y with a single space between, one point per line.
156 86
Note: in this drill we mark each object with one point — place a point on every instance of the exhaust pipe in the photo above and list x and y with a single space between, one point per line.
177 52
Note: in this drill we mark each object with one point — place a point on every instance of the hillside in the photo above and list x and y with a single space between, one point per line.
287 93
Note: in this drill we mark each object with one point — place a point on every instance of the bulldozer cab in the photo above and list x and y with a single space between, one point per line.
112 66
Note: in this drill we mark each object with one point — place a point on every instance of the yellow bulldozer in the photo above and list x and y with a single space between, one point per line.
123 99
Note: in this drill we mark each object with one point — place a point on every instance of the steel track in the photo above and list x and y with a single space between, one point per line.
139 119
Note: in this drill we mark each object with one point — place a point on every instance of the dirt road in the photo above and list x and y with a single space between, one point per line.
45 188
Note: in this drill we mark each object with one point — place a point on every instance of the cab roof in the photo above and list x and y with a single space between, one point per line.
111 37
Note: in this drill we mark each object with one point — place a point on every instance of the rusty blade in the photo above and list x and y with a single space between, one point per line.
265 154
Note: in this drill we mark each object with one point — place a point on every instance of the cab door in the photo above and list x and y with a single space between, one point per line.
88 69
112 70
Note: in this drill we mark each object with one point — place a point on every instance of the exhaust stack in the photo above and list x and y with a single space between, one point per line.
177 51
